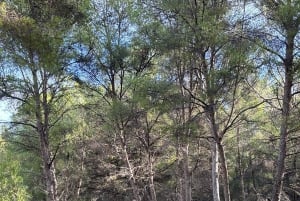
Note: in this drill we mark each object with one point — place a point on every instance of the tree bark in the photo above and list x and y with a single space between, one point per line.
223 163
179 185
151 178
187 174
215 171
288 82
184 181
240 166
43 132
49 172
132 180
218 151
210 112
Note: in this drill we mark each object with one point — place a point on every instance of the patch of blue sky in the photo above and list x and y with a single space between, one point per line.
112 38
257 26
249 12
6 111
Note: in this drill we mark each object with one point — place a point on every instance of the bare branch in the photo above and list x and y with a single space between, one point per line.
234 120
19 123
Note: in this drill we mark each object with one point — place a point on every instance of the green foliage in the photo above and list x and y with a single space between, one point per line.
36 32
147 72
12 185
152 94
285 13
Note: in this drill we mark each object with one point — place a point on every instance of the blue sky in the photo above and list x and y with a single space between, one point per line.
5 111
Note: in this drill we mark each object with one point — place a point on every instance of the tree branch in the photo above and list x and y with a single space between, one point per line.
19 123
238 115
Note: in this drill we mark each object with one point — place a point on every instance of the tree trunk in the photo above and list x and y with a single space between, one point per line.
184 184
131 175
79 186
186 115
288 82
187 174
49 172
151 178
240 166
215 152
132 181
217 144
43 132
215 171
218 151
179 185
223 163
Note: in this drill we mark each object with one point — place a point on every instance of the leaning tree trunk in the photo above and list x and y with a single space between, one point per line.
132 179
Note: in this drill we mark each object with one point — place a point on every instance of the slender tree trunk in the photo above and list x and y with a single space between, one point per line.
219 150
184 184
131 175
179 185
132 181
151 178
243 186
215 171
186 115
43 132
49 172
288 82
186 172
240 166
79 186
223 163
214 151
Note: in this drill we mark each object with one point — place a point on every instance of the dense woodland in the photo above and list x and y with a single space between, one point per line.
140 100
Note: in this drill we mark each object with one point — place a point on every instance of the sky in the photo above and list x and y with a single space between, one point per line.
5 112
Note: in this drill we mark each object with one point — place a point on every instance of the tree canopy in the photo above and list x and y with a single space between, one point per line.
150 100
